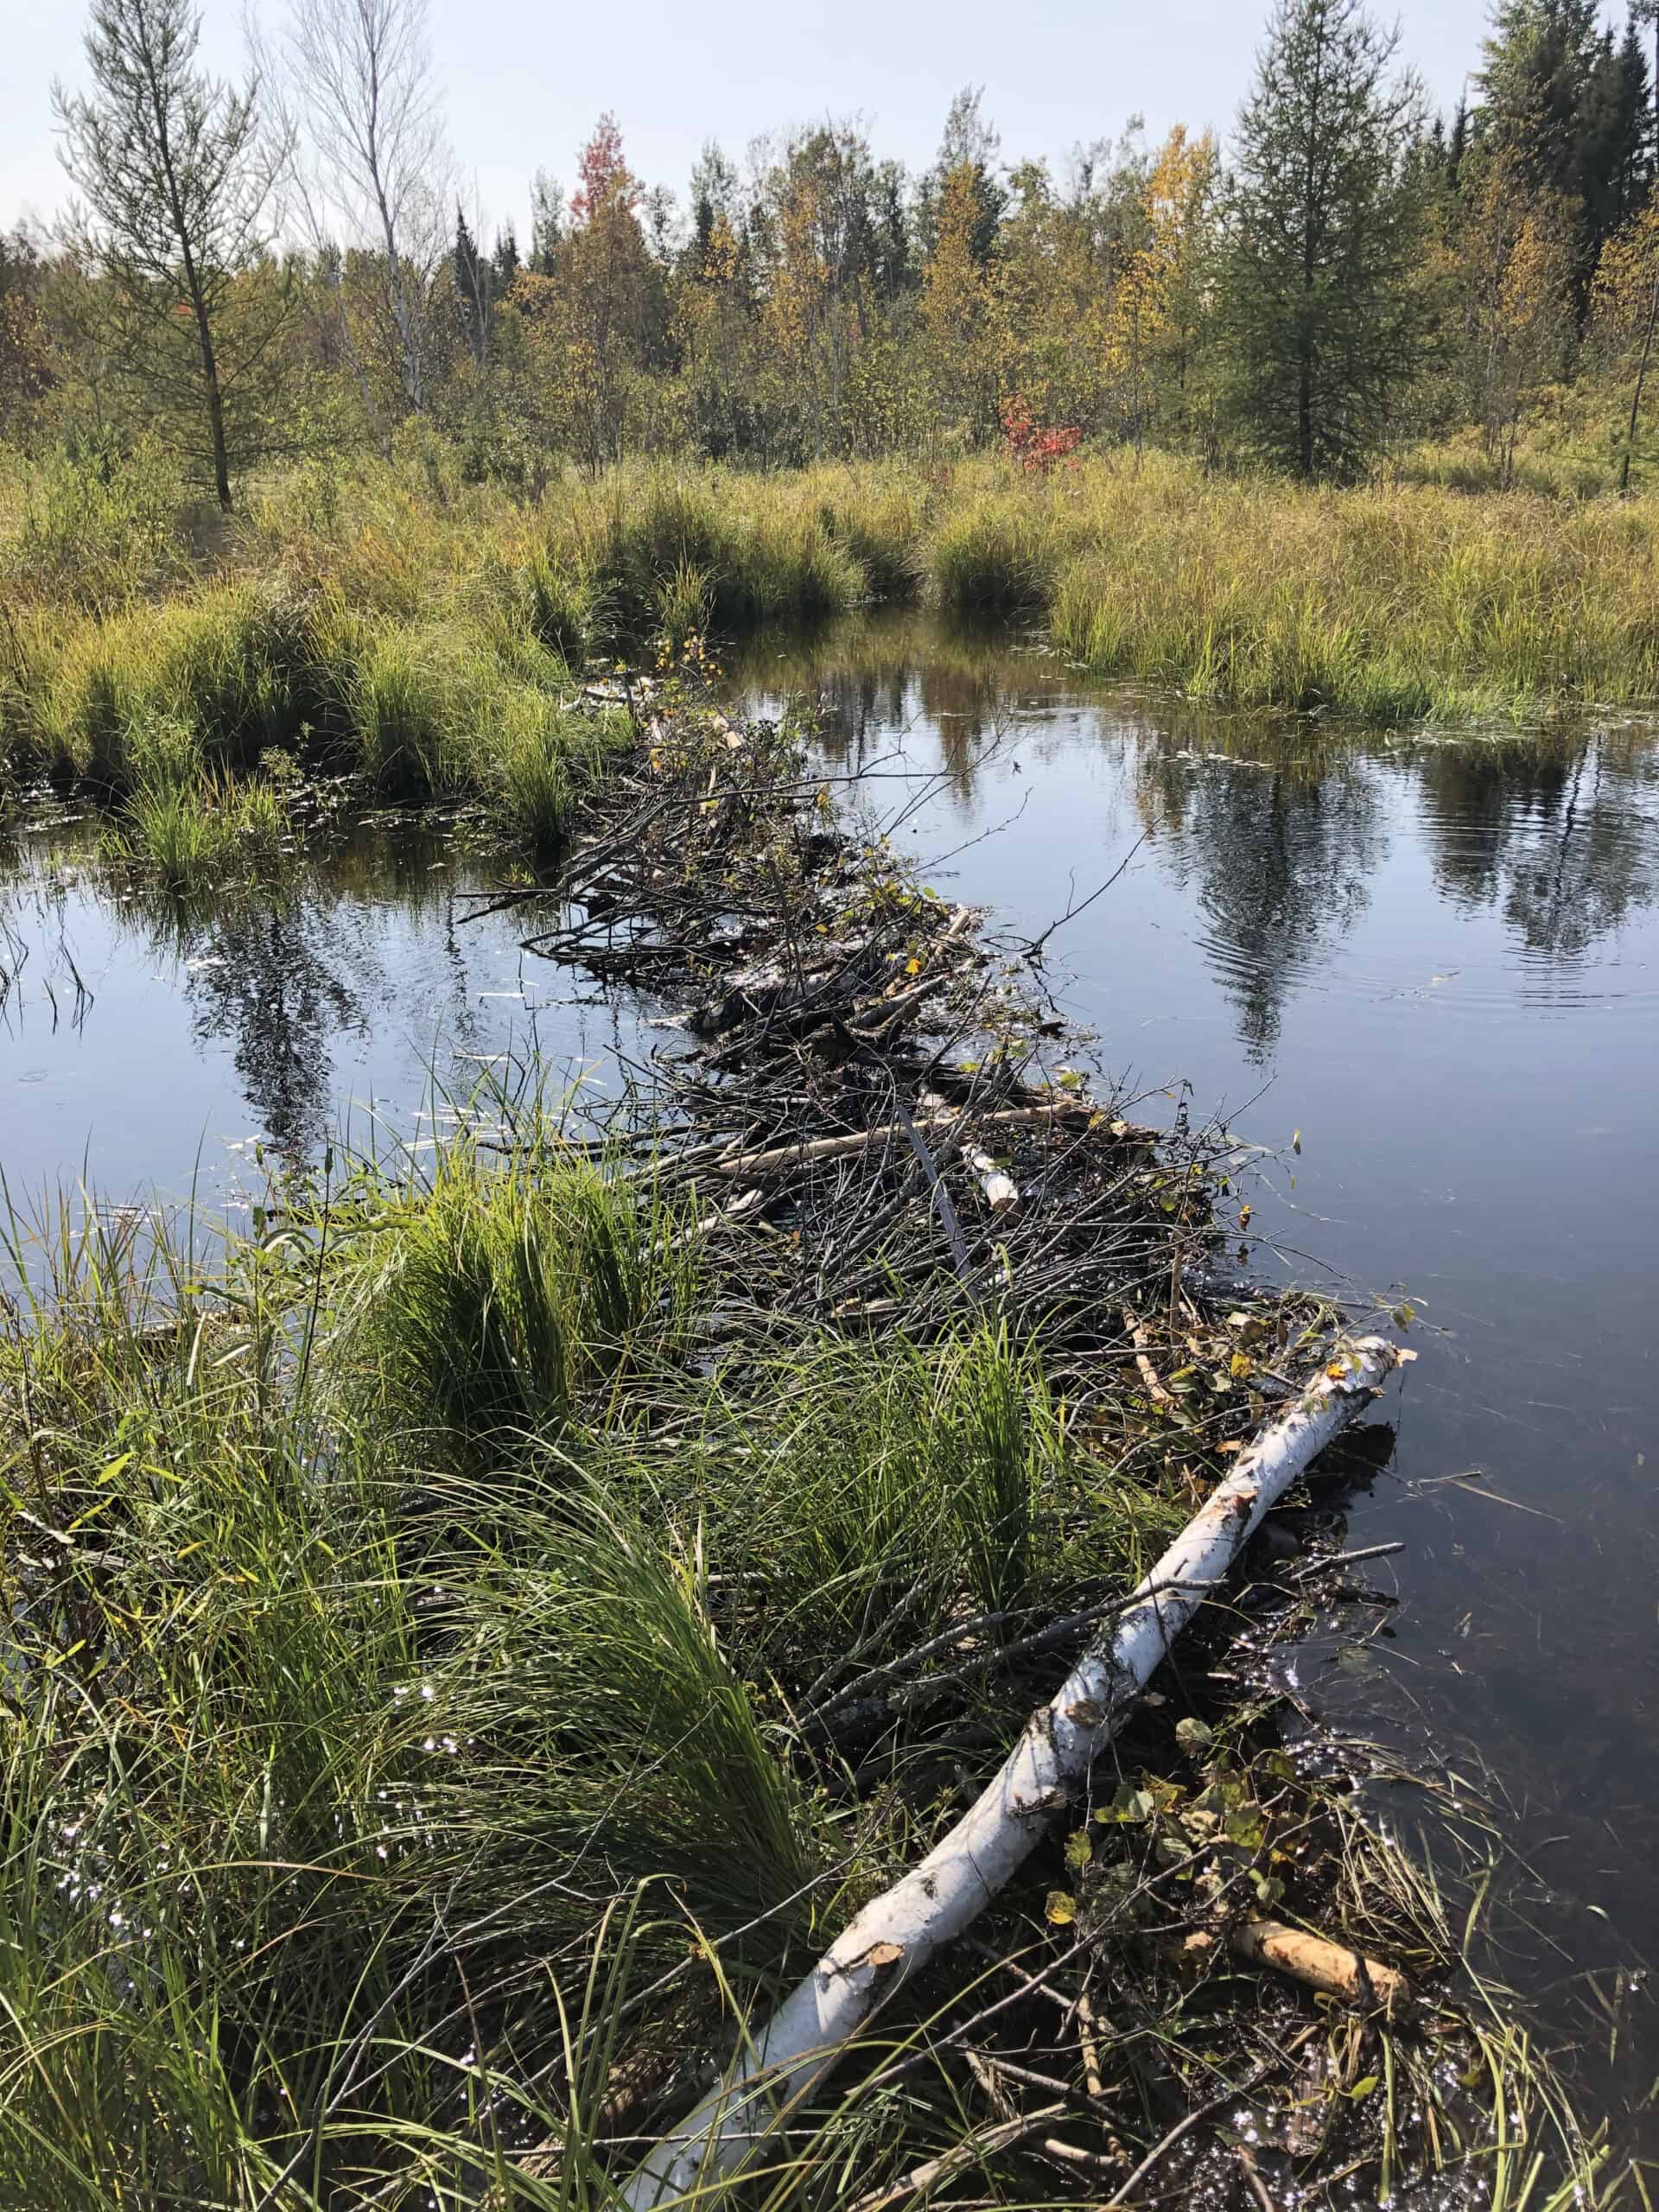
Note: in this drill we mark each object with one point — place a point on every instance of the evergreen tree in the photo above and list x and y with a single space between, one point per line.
547 223
1566 107
1457 144
1319 299
178 177
1612 155
473 286
1539 57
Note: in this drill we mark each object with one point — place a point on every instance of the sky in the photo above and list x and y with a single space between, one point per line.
523 83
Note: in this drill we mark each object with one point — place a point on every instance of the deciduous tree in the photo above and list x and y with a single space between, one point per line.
378 179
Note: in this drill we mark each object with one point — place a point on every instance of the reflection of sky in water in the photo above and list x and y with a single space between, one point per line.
275 1017
1438 960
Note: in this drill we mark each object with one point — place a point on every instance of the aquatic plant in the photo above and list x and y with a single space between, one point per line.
190 831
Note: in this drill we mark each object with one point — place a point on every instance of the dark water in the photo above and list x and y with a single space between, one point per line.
148 1047
1436 960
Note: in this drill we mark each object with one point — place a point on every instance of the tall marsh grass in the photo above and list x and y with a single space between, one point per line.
403 1779
428 632
368 1708
191 833
489 1301
1386 604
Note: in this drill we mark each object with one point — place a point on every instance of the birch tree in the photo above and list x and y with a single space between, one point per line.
379 173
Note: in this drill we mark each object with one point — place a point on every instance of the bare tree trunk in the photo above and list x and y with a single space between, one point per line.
1641 378
1653 298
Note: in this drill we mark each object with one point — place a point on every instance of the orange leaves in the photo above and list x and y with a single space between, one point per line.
1035 447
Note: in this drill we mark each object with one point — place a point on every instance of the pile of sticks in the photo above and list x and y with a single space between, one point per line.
859 1073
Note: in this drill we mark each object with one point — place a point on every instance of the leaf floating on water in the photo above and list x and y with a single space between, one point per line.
1363 2086
1296 1141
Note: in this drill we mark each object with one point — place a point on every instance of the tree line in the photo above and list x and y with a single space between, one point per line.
286 264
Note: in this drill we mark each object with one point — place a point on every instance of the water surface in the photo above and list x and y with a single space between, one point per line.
150 1045
1434 960
1433 963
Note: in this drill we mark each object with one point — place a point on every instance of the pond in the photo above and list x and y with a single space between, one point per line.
150 1046
1421 971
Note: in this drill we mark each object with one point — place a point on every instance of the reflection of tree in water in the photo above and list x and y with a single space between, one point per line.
284 972
1281 852
263 973
1556 834
862 682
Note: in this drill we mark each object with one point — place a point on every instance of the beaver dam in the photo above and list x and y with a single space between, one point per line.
481 1637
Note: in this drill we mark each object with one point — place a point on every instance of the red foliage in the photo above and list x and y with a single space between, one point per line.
604 173
1033 446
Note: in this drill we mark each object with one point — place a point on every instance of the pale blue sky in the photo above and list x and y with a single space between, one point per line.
524 82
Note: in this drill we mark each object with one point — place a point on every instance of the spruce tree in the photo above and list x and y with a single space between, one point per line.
473 276
1320 304
1565 106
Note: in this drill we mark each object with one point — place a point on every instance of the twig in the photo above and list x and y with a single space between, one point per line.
1253 2180
1155 1389
984 2144
810 1151
1183 2126
1034 948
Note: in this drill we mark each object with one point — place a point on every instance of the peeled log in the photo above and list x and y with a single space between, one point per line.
1334 1968
898 1931
1000 1192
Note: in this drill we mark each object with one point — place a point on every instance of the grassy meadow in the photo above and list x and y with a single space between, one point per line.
428 633
397 623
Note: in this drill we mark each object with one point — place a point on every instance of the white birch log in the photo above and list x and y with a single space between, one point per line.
895 1934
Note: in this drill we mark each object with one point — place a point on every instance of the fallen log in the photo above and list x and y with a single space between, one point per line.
1336 1969
898 1931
